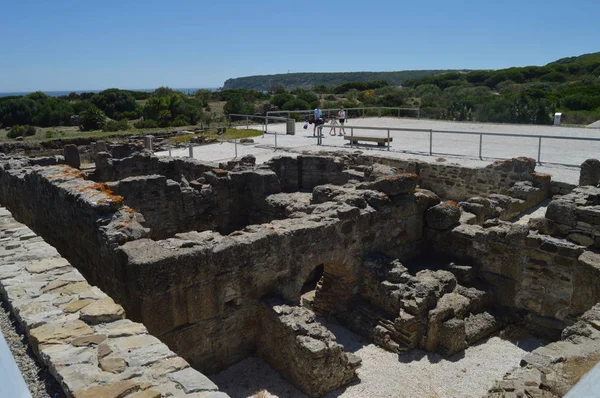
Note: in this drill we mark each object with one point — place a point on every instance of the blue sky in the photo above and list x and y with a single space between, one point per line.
73 45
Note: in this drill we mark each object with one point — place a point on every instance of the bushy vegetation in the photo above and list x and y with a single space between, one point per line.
92 119
21 131
115 125
515 95
51 134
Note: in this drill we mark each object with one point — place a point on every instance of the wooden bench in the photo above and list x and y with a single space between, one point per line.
381 141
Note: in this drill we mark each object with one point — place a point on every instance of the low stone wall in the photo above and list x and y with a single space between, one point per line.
92 221
167 206
306 352
456 182
145 163
551 279
551 371
308 171
80 333
576 216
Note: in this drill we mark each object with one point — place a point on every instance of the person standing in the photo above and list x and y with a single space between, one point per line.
342 118
318 119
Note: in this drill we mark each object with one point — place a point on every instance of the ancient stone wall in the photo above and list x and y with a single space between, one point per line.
167 206
79 332
551 279
576 216
457 182
145 163
308 171
84 220
552 370
198 290
306 353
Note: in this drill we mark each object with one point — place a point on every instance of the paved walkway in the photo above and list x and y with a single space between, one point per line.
558 157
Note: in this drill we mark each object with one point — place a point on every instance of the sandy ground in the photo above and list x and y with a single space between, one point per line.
383 374
559 157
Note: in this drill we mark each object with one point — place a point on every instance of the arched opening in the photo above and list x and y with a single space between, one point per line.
328 288
309 289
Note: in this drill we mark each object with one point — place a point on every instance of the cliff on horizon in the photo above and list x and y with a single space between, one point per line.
312 79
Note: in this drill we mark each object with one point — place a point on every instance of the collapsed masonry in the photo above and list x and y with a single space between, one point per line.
215 259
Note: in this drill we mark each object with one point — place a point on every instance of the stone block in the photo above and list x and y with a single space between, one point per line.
590 172
71 154
443 215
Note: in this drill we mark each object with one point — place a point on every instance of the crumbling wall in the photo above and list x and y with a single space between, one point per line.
552 280
306 353
145 163
552 370
167 206
576 216
308 171
458 182
198 291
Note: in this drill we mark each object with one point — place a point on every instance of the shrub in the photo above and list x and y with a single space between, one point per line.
92 119
54 134
331 97
179 121
145 124
21 131
113 125
295 104
280 99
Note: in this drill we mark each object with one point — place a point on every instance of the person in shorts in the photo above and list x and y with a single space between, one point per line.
342 118
318 114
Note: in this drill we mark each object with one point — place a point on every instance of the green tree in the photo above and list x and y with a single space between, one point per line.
92 119
114 101
296 104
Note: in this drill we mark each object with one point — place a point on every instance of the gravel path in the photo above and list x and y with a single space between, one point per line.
383 374
40 382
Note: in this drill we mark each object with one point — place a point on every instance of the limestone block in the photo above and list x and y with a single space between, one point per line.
377 171
100 311
58 333
117 389
400 184
442 216
71 154
590 172
452 337
191 381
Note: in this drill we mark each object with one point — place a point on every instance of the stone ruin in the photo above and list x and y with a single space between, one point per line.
219 260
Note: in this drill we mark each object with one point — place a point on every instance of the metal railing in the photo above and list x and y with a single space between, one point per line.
364 110
431 133
251 117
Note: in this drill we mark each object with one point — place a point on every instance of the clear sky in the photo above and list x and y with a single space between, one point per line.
79 44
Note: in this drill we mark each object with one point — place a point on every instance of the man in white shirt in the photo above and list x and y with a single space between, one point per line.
342 118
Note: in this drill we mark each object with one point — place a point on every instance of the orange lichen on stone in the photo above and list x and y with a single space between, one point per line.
68 172
541 176
105 189
451 203
221 172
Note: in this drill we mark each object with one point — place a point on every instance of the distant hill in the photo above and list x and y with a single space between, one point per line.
585 58
309 80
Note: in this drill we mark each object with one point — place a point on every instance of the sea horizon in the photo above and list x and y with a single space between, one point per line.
59 93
